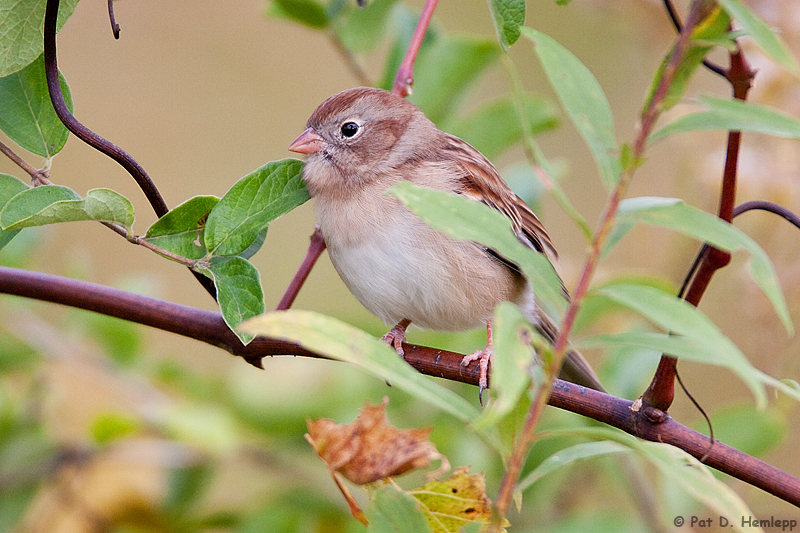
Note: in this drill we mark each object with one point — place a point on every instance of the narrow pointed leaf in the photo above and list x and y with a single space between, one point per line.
762 34
27 115
568 456
335 339
676 214
466 219
54 203
732 114
251 204
239 292
181 230
583 100
682 318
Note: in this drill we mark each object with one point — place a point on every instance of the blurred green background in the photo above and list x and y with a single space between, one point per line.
106 426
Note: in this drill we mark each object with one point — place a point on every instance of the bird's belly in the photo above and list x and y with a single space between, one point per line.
423 276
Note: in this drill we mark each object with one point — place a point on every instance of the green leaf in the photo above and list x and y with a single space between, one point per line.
675 214
27 115
495 127
239 292
732 114
337 340
186 486
694 336
446 69
251 204
9 187
181 230
567 456
468 220
392 510
108 427
677 467
364 28
583 100
23 38
307 12
508 17
711 29
54 203
761 33
514 355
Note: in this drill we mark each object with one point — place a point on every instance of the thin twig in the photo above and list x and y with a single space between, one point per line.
38 177
405 74
209 327
649 117
141 241
350 60
315 249
112 19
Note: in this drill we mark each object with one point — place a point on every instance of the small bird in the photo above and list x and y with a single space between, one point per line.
362 141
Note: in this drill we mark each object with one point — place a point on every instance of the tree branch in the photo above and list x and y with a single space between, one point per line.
209 327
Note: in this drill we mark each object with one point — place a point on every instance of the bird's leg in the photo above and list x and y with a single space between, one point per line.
396 336
484 356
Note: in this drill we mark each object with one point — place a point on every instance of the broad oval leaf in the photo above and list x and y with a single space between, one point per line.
570 455
761 33
50 204
26 42
27 115
251 204
364 28
181 230
583 100
675 214
508 17
239 292
468 220
337 340
9 187
393 510
732 114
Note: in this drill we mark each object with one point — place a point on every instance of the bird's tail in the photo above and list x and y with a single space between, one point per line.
575 369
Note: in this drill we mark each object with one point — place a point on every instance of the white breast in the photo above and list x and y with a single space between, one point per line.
400 268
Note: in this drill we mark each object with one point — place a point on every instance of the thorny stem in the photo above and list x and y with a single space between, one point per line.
651 113
38 177
405 74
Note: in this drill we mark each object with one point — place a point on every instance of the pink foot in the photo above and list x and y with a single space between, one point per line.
396 336
484 357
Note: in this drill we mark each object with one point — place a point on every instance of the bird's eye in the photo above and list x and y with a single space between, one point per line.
349 129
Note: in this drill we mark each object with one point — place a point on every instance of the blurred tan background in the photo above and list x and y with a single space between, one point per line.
202 92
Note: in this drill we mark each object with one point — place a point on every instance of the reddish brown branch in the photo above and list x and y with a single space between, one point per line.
661 390
315 249
405 74
208 327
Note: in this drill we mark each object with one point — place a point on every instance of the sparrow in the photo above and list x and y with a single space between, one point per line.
362 141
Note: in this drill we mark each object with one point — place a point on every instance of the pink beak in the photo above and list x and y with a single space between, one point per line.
309 142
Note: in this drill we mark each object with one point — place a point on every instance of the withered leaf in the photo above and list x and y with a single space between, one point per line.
370 449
